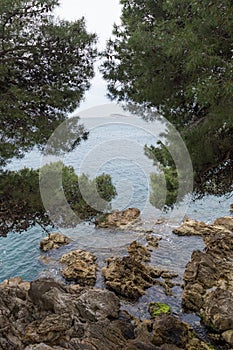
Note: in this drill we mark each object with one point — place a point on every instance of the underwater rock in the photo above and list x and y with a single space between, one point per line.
79 266
54 241
120 219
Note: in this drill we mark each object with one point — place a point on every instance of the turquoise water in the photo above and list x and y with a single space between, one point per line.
115 146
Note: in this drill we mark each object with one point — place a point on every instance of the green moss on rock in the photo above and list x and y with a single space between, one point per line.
156 309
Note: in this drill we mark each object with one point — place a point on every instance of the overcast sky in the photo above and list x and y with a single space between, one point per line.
100 16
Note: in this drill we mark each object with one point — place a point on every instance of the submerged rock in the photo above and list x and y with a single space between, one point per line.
79 266
120 219
54 241
208 279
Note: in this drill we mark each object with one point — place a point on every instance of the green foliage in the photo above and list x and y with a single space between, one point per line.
165 183
45 68
176 57
21 205
156 309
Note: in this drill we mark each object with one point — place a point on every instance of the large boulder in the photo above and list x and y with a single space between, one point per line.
79 266
119 219
54 241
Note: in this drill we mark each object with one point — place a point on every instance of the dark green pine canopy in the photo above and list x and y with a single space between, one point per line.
177 57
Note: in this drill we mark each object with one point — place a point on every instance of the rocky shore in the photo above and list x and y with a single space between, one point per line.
208 279
48 314
45 315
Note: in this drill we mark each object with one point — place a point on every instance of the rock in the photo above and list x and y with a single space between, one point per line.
138 252
171 333
130 276
40 295
153 241
217 310
192 228
226 222
43 346
231 207
120 219
54 241
198 228
91 306
208 278
228 337
55 316
79 266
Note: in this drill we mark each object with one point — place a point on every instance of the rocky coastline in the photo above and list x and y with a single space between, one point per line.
48 314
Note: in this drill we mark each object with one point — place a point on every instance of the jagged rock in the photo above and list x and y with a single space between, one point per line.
228 337
192 228
55 316
130 277
208 279
91 307
79 266
138 252
120 219
217 309
226 222
198 228
54 241
171 333
43 346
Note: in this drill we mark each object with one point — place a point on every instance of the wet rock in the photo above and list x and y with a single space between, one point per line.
208 279
54 241
120 219
79 266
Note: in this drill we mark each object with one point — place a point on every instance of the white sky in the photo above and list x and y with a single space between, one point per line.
100 16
